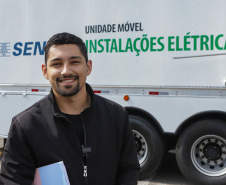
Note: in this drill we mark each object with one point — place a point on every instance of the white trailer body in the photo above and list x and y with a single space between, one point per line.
167 57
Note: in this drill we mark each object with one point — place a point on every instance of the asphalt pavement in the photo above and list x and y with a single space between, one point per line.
168 174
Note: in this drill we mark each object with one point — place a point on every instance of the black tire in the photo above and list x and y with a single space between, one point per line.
201 152
150 147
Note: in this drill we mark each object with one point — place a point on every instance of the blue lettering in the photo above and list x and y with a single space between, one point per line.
38 46
26 48
16 47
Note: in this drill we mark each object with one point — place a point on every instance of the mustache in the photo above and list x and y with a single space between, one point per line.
69 76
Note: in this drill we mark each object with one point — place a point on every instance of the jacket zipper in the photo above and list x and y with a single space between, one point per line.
85 150
84 162
85 174
85 171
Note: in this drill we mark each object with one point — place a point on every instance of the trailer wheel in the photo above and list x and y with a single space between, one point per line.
149 144
201 152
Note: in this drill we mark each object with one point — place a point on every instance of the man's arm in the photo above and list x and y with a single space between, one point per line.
18 164
128 164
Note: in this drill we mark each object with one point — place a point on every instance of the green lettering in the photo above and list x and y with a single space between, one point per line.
195 37
93 46
129 45
161 44
107 44
135 46
186 42
216 42
120 46
204 39
114 45
170 43
152 43
102 47
212 42
178 44
87 45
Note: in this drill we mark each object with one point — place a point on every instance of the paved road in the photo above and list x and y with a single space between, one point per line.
169 174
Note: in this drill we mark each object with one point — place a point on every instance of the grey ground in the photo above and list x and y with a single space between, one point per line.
168 174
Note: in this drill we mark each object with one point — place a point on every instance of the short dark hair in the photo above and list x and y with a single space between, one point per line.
65 38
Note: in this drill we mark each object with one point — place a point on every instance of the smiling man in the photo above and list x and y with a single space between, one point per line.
89 133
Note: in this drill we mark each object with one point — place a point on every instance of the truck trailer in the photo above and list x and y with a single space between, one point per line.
163 60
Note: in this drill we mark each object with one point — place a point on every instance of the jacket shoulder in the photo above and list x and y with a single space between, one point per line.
109 104
32 109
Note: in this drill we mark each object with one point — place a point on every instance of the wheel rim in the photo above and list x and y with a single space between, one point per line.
208 155
142 147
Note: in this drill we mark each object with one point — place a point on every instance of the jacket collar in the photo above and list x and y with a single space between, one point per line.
56 110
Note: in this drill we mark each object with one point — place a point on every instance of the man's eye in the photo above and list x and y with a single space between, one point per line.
75 62
55 64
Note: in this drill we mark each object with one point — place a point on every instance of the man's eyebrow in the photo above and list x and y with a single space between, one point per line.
70 58
75 57
55 59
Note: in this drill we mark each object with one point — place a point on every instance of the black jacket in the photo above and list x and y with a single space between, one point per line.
41 135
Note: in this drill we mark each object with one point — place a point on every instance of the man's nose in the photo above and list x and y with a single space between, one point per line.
66 69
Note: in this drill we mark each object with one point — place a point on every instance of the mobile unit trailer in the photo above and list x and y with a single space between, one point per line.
164 61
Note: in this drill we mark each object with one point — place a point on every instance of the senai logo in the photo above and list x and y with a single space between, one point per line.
5 49
20 48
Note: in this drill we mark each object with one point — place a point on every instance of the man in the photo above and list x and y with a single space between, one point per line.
72 124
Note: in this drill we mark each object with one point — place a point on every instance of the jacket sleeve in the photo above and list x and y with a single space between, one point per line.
128 163
18 164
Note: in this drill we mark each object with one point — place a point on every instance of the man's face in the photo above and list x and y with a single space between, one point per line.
66 69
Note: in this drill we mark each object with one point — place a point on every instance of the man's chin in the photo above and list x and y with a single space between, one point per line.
68 92
67 86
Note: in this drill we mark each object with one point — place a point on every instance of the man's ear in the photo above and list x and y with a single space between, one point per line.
89 67
44 71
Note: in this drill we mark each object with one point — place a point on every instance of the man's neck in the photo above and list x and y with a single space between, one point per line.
73 104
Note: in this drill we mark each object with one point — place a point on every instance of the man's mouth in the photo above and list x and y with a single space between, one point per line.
67 78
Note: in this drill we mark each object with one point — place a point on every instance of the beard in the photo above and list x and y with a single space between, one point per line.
71 91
